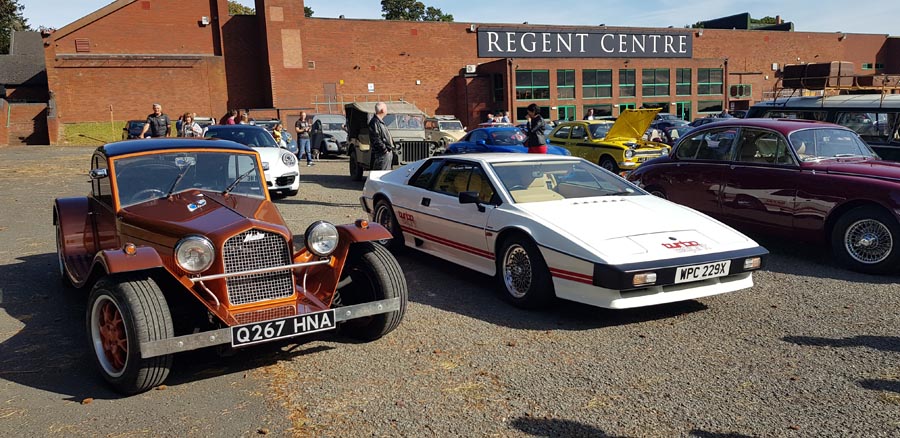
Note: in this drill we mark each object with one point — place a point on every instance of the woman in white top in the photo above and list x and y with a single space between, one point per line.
190 128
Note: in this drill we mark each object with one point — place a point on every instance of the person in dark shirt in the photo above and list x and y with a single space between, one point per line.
380 139
157 123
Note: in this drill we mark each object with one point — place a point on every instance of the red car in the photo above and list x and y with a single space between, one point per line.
810 181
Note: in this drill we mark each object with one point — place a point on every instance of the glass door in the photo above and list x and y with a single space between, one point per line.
683 110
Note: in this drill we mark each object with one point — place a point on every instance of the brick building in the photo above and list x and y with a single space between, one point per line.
190 55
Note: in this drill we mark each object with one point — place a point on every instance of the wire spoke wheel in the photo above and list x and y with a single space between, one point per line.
868 241
517 271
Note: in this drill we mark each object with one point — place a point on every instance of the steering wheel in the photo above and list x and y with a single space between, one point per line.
147 194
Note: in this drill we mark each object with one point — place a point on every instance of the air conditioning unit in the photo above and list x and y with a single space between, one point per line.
470 68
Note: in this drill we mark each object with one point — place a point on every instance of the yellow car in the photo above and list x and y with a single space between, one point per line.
615 146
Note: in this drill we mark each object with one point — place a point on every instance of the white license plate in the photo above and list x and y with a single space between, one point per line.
685 274
265 331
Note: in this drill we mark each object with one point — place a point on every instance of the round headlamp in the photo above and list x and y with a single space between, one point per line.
321 238
629 153
194 254
288 159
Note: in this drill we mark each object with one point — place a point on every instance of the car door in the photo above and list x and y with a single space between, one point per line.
451 230
560 136
478 141
760 190
695 176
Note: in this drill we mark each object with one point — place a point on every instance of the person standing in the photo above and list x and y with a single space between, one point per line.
232 115
189 128
505 118
535 141
157 123
382 144
303 144
276 133
590 114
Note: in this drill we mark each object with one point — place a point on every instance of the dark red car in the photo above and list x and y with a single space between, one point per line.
803 180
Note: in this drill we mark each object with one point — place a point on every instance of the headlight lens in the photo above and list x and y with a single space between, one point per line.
194 254
629 153
288 159
321 238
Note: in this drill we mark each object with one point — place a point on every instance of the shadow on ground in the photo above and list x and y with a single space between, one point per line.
881 343
475 295
553 427
50 350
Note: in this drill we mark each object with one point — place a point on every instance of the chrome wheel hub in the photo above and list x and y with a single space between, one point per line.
517 271
383 217
868 241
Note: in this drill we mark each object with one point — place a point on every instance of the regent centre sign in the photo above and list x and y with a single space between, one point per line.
515 43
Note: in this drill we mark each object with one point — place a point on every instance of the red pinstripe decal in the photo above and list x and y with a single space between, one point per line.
450 243
572 276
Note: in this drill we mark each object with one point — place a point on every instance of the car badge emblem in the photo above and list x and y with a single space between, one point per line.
253 237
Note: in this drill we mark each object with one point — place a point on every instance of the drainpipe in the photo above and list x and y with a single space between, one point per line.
725 85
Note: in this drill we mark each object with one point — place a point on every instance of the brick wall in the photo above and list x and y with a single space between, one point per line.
27 124
4 132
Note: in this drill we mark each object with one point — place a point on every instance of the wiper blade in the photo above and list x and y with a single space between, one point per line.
178 180
237 181
621 193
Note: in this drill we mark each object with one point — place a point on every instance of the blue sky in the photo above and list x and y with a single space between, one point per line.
879 17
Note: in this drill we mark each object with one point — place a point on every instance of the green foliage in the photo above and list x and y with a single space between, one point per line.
308 12
95 133
764 20
412 10
235 8
10 19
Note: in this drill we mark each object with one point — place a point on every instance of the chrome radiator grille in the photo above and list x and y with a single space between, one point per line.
255 249
414 150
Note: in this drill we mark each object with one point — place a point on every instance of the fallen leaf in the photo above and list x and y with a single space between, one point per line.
263 431
87 401
161 387
511 343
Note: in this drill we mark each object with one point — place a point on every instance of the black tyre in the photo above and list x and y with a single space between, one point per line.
865 239
609 164
523 277
60 257
123 312
371 274
356 171
384 215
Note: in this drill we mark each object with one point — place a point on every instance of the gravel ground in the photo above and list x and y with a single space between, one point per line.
811 350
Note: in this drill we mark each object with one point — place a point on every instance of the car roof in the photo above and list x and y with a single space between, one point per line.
784 126
589 122
392 107
152 144
503 157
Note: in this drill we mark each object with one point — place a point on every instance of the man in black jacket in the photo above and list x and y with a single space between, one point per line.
382 145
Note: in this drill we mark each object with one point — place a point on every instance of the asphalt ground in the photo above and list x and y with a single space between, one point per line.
811 350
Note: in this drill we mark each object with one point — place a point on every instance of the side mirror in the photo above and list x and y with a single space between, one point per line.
470 198
481 143
99 173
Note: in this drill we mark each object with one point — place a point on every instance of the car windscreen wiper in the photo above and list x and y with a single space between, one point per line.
237 181
178 180
620 193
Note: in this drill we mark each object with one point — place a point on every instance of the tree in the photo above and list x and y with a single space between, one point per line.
10 19
764 20
235 8
308 12
412 10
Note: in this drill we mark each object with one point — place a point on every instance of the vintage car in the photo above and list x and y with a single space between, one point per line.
133 129
406 124
329 133
181 248
540 224
799 180
508 139
280 164
616 147
444 129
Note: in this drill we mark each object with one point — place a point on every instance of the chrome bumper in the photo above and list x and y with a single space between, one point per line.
223 335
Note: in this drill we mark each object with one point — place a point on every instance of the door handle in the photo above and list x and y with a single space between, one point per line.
426 201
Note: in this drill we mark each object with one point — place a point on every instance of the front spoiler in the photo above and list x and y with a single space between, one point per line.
223 336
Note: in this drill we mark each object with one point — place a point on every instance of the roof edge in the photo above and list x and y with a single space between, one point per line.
90 18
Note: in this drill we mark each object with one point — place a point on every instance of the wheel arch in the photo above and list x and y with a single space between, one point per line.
840 210
505 233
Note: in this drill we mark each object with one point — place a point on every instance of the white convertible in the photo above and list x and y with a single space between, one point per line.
558 226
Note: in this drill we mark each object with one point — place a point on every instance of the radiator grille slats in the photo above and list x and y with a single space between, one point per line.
255 249
414 151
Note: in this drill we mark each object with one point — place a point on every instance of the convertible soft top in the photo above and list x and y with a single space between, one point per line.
151 144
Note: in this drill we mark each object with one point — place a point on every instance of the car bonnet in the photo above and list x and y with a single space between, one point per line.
625 229
631 124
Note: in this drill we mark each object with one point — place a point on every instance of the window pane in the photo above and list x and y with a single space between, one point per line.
709 106
627 91
567 93
541 78
523 78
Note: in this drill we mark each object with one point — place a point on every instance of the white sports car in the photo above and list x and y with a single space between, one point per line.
554 226
279 164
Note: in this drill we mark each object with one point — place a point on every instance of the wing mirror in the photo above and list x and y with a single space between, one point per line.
99 173
471 198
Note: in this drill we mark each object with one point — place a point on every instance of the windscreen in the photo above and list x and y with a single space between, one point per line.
551 180
257 138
